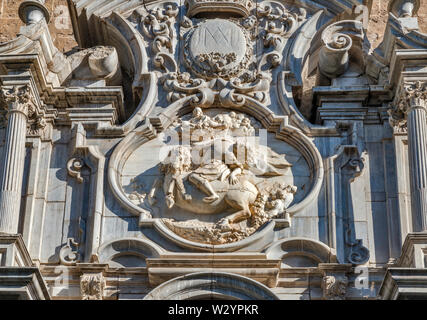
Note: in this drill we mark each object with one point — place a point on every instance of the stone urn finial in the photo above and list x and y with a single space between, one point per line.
33 11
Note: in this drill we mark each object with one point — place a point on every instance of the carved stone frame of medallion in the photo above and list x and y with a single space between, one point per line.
146 133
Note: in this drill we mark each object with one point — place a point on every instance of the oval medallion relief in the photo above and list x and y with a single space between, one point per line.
217 48
215 177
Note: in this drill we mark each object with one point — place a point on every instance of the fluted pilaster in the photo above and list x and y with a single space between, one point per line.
413 104
19 107
417 141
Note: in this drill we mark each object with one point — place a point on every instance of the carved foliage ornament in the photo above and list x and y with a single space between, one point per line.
36 124
413 95
158 25
334 287
18 98
92 286
218 52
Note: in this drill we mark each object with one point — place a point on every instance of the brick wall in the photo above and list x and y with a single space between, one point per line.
378 20
59 25
62 33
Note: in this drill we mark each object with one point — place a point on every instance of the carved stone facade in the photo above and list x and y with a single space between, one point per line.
188 146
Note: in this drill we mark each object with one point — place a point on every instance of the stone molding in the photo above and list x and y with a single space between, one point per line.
231 7
404 284
24 283
256 266
315 250
13 252
19 278
211 285
414 251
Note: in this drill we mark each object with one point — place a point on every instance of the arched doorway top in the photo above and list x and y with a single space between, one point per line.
211 285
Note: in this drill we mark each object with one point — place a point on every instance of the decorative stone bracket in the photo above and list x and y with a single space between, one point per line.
342 169
334 281
92 160
338 39
92 281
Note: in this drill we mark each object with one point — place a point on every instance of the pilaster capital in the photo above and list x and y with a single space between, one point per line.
413 95
17 98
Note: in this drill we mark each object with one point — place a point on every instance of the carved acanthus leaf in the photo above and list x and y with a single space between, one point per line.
18 98
36 125
334 287
413 95
277 23
158 25
92 286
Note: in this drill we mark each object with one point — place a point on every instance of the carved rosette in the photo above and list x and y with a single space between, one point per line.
334 287
92 286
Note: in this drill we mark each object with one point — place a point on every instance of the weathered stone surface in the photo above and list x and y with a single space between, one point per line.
213 149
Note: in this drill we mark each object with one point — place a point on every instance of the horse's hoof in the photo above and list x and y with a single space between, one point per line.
169 202
224 225
211 199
